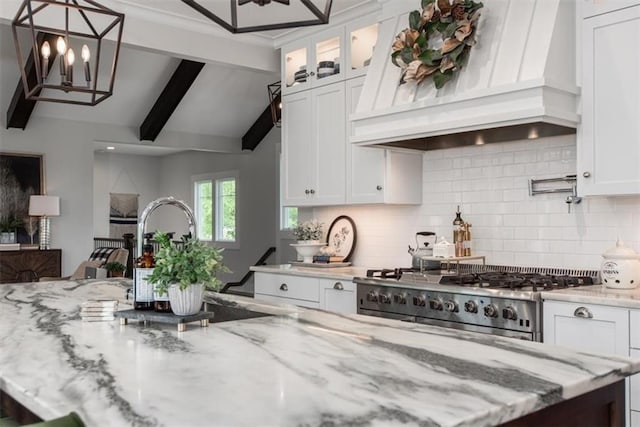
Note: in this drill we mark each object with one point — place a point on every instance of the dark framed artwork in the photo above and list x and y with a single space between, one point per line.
21 175
342 237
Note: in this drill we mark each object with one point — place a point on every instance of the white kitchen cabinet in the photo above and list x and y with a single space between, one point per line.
301 60
634 394
313 147
338 296
609 151
597 7
596 329
588 327
376 175
281 288
347 48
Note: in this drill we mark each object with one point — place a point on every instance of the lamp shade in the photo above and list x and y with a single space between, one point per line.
44 206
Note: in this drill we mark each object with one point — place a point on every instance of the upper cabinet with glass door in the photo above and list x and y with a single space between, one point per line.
324 58
362 36
314 61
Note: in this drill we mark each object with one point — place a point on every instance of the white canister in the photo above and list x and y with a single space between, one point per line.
620 268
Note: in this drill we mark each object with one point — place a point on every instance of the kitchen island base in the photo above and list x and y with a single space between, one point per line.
604 407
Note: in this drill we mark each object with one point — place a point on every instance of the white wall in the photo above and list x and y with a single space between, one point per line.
490 183
257 197
68 166
119 173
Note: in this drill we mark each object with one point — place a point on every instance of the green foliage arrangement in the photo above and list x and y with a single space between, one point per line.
451 24
9 224
308 230
188 263
115 267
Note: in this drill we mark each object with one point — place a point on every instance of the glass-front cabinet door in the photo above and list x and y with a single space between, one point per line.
362 37
314 61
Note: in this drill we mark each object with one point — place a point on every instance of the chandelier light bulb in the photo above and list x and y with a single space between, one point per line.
71 57
86 55
46 50
61 45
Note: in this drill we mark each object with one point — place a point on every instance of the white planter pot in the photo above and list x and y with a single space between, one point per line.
187 301
307 250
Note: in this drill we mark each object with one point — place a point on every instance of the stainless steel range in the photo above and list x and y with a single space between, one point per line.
497 302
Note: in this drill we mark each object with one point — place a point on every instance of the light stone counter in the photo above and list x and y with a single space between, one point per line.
597 294
337 273
300 367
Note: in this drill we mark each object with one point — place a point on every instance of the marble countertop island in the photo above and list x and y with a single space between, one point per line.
298 367
321 271
598 294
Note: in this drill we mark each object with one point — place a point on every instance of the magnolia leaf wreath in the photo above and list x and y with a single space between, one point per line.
450 23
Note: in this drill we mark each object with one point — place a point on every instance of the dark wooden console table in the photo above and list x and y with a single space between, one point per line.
29 265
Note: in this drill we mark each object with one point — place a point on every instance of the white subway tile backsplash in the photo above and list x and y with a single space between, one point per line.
490 183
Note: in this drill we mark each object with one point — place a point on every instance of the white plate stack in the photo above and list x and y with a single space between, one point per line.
98 310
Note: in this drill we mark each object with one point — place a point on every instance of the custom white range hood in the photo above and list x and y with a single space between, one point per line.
519 82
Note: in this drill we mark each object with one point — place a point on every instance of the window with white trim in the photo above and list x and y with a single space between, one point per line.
288 217
215 200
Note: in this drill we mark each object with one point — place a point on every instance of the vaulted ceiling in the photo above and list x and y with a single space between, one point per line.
227 95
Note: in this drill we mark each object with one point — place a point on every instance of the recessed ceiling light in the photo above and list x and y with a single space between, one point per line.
111 147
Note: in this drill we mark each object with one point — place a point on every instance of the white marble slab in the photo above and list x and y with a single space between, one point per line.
598 294
301 367
337 273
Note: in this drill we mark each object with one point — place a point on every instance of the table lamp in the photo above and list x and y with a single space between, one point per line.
44 207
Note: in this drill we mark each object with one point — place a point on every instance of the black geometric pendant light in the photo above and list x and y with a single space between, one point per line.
245 16
80 67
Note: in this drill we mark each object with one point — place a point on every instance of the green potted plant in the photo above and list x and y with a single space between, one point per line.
184 271
308 234
308 231
8 226
115 269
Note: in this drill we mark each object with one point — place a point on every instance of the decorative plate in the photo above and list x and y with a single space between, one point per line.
342 237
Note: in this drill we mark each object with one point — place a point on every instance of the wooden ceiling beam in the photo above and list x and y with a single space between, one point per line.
20 108
261 127
168 101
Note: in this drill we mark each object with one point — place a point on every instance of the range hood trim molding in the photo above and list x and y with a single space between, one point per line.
533 86
530 104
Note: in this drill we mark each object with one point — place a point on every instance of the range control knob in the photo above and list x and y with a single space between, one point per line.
491 311
435 304
471 307
509 313
400 299
451 306
419 301
372 296
384 299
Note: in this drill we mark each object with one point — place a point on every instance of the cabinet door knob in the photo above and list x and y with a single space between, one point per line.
583 312
338 286
379 187
312 74
306 191
312 191
284 287
586 174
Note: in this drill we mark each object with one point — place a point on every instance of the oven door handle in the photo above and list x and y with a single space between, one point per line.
583 312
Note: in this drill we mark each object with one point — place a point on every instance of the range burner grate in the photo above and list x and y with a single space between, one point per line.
516 280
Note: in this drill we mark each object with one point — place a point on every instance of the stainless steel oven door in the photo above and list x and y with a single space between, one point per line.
477 328
386 315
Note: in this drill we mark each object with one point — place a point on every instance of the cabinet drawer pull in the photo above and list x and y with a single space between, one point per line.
379 187
284 287
583 312
312 191
338 286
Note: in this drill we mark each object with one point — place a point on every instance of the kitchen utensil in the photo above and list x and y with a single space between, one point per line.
620 268
423 249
